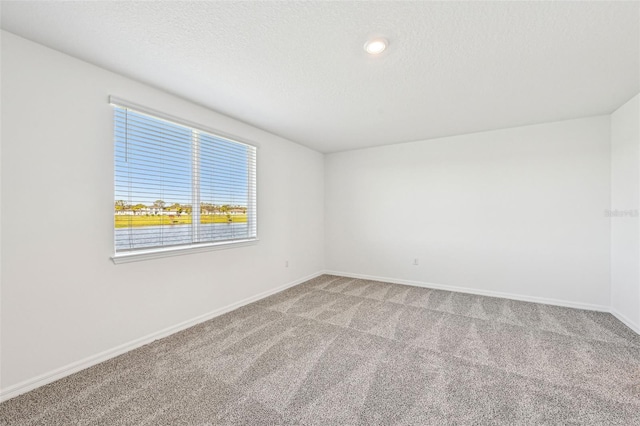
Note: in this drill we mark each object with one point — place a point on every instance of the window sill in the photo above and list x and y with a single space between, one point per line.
140 255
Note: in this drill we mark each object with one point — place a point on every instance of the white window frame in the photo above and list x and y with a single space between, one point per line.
160 252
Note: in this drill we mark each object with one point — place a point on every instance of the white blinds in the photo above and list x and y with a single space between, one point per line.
176 185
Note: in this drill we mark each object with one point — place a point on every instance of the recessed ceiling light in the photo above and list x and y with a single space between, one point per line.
376 46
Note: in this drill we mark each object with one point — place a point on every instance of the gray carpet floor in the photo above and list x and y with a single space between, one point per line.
343 351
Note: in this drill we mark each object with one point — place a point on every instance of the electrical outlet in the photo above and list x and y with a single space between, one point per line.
415 261
286 263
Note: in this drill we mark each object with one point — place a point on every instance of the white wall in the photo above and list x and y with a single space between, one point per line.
625 196
63 300
517 211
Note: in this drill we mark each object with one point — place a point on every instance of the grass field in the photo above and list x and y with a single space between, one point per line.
125 221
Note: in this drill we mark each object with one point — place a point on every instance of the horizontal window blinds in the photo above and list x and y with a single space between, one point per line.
177 185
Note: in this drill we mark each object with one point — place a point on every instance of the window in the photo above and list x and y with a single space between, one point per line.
178 186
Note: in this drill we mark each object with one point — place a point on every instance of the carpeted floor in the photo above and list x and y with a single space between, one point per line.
343 351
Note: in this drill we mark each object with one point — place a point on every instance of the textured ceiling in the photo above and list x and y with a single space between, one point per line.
298 69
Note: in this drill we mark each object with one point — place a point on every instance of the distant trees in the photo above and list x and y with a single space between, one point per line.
121 205
176 207
160 206
226 209
207 208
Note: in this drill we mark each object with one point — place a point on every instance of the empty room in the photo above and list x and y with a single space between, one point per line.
320 213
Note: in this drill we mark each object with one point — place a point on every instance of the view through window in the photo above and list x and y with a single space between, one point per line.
176 185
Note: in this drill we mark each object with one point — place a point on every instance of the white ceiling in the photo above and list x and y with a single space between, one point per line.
298 69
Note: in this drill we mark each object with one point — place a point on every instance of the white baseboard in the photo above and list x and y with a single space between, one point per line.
626 321
74 367
512 296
